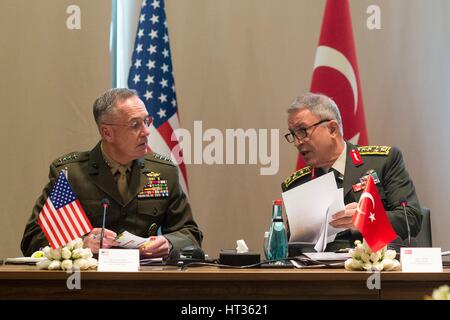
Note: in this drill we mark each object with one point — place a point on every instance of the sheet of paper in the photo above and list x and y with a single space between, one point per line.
323 240
327 232
306 207
327 256
130 241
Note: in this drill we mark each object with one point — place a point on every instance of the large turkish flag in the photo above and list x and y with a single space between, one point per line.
336 71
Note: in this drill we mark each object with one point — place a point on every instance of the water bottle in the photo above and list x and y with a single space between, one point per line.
277 243
266 244
267 233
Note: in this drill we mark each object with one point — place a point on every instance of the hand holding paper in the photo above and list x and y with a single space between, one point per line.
92 240
343 219
155 247
130 241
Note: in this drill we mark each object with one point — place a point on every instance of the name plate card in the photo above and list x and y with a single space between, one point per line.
421 259
122 260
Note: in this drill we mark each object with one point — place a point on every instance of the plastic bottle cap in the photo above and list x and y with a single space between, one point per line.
278 202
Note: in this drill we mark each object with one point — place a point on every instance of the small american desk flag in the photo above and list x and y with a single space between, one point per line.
62 218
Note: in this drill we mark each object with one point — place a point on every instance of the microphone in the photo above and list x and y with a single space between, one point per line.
404 203
185 255
173 257
105 205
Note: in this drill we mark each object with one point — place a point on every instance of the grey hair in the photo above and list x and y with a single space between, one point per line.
105 104
320 105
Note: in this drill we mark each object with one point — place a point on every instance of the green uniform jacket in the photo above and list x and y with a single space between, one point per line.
92 181
395 183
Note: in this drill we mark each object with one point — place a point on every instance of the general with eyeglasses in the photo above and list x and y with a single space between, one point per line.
316 131
142 187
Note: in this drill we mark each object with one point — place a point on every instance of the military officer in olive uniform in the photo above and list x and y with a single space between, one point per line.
143 187
316 130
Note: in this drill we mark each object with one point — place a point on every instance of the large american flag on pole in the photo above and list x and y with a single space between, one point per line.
62 219
151 76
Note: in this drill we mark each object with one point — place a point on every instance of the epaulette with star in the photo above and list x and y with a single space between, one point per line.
159 158
70 157
374 150
297 175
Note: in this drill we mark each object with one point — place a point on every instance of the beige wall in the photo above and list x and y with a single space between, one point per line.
49 79
237 64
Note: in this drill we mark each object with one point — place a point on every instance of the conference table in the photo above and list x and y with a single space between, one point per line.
208 282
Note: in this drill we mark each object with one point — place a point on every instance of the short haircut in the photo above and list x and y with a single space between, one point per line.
320 105
105 104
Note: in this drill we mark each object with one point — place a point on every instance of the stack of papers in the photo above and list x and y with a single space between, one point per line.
23 260
327 256
152 261
309 208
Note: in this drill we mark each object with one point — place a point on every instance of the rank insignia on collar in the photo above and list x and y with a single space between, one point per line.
362 181
155 187
356 157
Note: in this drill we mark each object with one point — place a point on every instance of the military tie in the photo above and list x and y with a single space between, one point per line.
339 177
119 171
122 182
319 172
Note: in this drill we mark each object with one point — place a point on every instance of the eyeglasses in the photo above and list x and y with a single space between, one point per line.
136 124
301 133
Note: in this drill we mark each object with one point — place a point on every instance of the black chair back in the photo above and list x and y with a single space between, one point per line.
424 238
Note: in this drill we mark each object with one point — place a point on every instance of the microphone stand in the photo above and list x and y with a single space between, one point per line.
403 204
105 203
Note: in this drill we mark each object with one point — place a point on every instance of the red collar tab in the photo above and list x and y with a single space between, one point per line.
356 157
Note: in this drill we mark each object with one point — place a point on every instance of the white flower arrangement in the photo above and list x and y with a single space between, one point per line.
441 293
363 258
71 256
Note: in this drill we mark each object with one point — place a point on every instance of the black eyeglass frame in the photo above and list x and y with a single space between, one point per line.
291 136
147 121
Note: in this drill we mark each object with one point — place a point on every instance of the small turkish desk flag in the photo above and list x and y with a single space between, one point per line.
372 220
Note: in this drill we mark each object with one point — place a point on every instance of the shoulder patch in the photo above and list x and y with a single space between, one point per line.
159 158
374 150
71 157
296 175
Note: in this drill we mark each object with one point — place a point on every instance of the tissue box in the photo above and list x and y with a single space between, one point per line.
232 258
